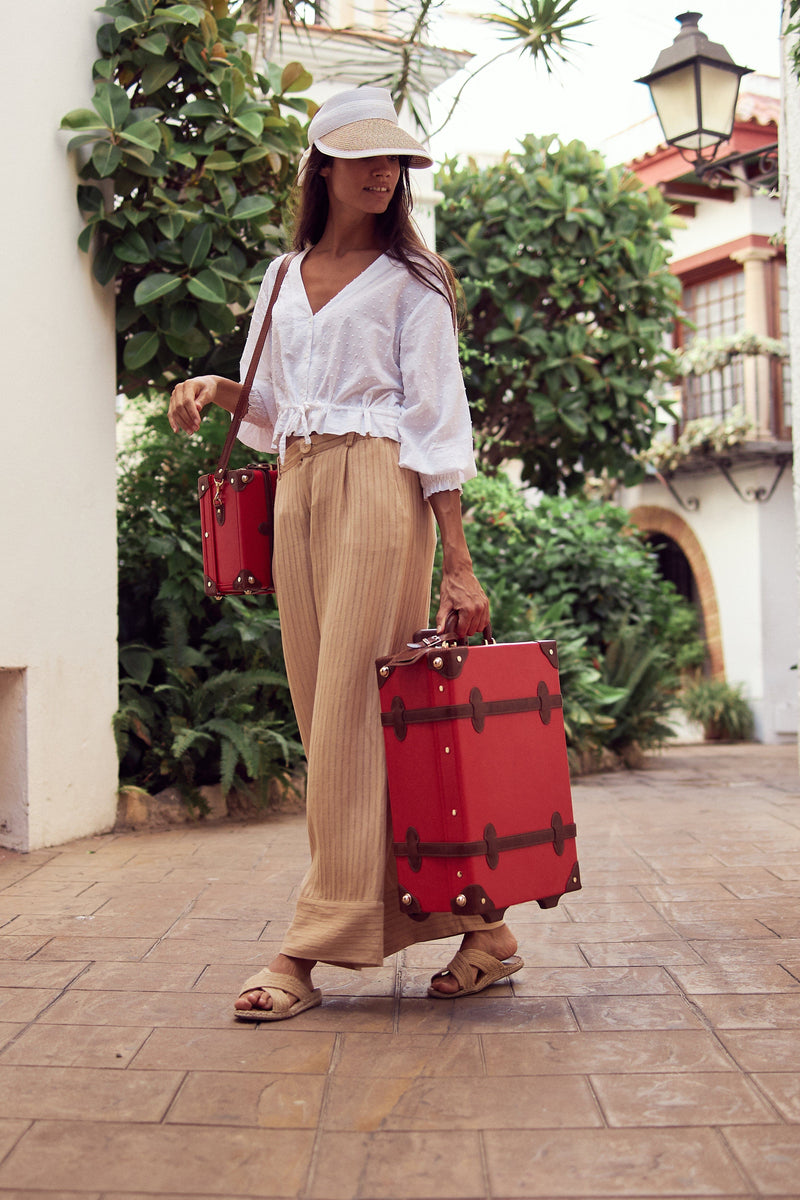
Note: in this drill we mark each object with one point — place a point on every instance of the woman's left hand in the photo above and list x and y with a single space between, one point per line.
460 592
463 595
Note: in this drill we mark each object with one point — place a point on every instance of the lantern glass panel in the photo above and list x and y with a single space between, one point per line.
718 92
676 105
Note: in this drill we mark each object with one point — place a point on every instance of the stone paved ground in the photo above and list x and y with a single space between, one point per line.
651 1047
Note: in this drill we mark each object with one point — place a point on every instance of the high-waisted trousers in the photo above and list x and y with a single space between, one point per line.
354 545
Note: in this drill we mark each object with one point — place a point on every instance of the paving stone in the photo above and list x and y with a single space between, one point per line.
611 1162
10 1133
202 951
200 928
369 1104
75 1046
8 1031
746 952
35 906
290 1101
720 1098
763 1049
634 1012
134 925
629 1053
24 1003
485 1013
699 980
39 974
16 1194
398 1166
94 949
782 1088
159 1159
92 1094
639 954
349 1014
267 1049
184 1010
409 1055
769 1155
15 948
600 981
136 977
751 1012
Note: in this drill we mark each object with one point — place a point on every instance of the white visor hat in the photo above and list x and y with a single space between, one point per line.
362 123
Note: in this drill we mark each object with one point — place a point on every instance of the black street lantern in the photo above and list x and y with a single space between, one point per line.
695 85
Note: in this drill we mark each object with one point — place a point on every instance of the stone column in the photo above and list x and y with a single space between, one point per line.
756 367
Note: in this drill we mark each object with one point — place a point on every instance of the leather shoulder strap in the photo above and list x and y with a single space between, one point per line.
244 394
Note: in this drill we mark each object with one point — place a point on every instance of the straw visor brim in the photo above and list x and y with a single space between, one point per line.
370 137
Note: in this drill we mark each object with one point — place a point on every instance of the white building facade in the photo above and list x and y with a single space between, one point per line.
724 521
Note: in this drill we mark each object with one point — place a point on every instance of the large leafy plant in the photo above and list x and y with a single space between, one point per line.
563 261
203 693
188 159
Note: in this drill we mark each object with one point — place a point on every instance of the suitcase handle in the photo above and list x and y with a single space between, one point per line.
430 638
424 641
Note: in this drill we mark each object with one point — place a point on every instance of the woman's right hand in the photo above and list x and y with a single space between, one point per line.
188 400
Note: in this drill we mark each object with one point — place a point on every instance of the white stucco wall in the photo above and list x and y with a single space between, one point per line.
716 223
750 551
57 544
789 143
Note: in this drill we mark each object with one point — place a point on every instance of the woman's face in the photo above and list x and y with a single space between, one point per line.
364 184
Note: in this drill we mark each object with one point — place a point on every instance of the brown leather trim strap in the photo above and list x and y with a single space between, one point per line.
491 847
244 394
476 710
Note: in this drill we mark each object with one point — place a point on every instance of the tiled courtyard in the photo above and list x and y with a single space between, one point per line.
651 1047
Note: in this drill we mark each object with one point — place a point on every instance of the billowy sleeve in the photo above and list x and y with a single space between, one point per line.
258 427
434 429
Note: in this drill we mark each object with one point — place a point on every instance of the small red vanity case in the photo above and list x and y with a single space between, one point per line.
478 779
236 507
236 524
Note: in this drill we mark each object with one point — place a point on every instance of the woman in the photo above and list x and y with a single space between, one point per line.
360 392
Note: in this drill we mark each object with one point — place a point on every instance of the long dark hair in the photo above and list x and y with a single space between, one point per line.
396 231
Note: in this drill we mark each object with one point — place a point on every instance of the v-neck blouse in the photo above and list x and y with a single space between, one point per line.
380 358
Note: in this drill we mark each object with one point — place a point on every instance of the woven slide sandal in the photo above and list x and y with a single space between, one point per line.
280 988
490 970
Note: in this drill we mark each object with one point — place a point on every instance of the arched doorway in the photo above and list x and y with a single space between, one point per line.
683 563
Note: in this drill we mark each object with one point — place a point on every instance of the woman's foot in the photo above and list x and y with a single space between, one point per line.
499 942
300 968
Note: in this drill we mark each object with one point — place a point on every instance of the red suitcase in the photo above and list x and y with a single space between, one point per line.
236 507
236 524
478 779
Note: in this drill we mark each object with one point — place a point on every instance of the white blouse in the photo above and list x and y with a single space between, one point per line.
380 358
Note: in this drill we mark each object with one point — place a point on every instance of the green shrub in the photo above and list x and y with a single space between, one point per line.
583 554
720 708
564 264
203 693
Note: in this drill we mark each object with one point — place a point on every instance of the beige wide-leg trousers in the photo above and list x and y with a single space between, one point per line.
354 544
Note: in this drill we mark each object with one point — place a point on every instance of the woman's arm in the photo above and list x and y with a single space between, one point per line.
189 399
460 591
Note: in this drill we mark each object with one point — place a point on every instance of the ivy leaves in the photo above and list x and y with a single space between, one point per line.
187 157
564 267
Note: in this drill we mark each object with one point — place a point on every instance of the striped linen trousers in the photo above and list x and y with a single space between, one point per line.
354 545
